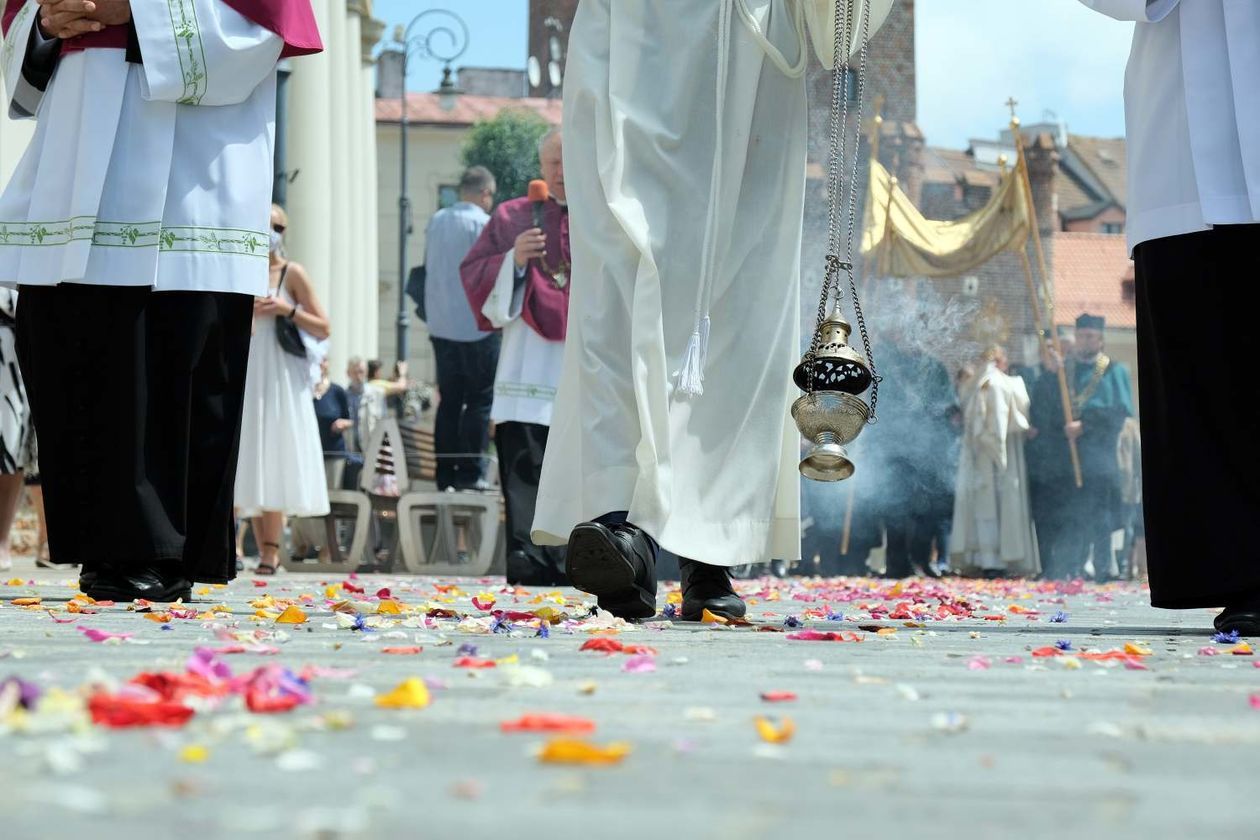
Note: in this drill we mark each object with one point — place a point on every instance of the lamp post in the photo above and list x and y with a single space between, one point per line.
445 40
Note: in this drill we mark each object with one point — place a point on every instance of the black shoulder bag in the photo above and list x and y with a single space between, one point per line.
287 332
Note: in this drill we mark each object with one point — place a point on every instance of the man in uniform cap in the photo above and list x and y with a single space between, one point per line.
1102 399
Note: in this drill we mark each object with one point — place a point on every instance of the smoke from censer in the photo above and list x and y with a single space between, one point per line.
920 337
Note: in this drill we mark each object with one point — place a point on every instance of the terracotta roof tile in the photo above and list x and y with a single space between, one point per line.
425 109
1090 274
1107 159
952 166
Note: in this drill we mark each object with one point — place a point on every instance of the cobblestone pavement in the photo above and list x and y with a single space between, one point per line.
941 709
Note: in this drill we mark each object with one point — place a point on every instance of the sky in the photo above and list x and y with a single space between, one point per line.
1054 56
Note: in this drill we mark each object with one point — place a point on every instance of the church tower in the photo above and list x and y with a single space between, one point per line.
549 25
890 78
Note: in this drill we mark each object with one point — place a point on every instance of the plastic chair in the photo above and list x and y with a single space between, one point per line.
350 506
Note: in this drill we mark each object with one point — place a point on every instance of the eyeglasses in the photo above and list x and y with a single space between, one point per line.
278 228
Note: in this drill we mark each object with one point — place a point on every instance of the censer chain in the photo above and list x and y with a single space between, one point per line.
839 154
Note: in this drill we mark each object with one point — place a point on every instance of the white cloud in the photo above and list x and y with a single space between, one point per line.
1052 55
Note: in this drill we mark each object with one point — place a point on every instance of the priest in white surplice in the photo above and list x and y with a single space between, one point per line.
136 226
685 125
993 531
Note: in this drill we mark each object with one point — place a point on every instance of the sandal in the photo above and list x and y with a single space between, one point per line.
265 569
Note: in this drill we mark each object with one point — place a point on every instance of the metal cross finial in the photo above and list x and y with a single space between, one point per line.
1012 103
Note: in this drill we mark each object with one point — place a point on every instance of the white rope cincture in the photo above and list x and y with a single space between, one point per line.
691 376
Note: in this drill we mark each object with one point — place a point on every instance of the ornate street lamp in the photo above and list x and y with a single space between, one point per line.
445 39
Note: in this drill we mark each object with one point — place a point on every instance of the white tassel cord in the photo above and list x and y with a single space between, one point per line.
691 376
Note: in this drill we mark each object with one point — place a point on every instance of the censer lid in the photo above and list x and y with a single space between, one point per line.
836 365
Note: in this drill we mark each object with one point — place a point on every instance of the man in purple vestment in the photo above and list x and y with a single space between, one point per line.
517 280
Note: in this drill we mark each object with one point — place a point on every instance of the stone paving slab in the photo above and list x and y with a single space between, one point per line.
940 728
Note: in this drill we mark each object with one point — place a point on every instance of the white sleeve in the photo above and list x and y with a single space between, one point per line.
202 52
820 16
1141 11
506 301
22 96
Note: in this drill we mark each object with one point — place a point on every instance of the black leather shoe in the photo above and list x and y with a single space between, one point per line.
153 583
87 579
706 587
616 564
526 570
1246 620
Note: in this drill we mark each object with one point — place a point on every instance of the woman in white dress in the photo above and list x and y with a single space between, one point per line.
281 467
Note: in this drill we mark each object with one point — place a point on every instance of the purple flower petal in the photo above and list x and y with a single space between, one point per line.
27 693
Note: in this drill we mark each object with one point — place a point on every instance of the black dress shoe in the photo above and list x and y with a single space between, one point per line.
706 587
152 583
529 570
1246 620
617 565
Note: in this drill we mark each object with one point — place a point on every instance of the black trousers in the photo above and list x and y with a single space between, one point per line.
1197 337
521 447
1052 515
461 431
1093 514
915 519
137 397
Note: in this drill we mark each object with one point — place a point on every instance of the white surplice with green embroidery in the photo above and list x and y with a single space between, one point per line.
148 175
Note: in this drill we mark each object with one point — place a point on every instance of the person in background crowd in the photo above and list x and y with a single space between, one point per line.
335 417
281 466
993 532
384 392
1102 399
1051 480
464 353
17 434
517 280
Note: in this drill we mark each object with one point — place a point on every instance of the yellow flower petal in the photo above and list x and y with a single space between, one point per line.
573 751
772 734
194 754
291 615
411 693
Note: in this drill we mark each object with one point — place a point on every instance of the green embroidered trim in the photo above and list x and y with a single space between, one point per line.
18 25
178 238
203 240
530 392
192 53
47 233
127 235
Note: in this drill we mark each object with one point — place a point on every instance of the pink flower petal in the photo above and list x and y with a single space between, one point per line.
642 664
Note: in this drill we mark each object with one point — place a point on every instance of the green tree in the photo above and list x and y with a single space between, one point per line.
508 146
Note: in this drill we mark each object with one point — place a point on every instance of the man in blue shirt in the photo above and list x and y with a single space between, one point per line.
465 357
